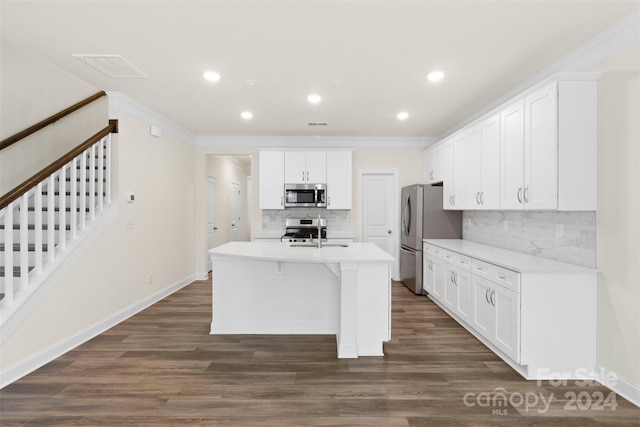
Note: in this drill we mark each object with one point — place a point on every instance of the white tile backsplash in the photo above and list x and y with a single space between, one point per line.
535 233
338 221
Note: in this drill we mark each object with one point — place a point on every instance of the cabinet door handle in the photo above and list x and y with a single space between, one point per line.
329 201
486 296
430 174
526 194
431 265
502 277
492 297
455 278
454 199
478 198
281 200
482 197
307 175
520 195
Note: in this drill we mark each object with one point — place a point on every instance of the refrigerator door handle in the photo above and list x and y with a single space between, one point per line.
407 215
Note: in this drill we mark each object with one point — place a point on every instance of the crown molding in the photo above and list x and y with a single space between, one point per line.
314 142
121 103
615 40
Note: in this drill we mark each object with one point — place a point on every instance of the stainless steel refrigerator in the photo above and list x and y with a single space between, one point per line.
422 217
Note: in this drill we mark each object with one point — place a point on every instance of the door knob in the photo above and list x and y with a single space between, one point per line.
215 228
388 231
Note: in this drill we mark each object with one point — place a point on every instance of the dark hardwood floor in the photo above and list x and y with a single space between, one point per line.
162 368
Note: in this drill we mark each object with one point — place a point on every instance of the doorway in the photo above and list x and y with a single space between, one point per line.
378 207
211 217
235 211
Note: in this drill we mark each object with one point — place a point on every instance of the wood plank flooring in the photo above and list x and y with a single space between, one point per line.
162 368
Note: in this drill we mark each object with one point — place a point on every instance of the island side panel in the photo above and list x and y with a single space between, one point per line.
373 308
273 297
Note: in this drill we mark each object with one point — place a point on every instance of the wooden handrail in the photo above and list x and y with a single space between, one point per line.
44 173
49 120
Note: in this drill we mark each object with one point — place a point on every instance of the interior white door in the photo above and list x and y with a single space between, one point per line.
235 211
379 212
211 217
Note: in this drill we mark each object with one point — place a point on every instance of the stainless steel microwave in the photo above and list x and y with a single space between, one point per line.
305 195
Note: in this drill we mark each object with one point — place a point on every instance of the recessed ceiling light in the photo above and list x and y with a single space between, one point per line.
403 115
247 115
211 76
435 76
314 98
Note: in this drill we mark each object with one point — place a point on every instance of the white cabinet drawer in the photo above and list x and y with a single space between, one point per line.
508 278
461 261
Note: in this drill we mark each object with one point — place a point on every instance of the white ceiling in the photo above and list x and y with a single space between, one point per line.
368 59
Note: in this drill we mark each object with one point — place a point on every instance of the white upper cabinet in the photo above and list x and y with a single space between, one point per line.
454 178
538 152
445 156
428 166
271 180
339 181
512 161
540 186
548 144
301 167
483 164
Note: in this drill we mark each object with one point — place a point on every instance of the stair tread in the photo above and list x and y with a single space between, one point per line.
31 247
16 271
46 209
33 227
68 193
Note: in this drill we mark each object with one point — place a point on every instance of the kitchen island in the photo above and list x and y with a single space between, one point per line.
276 288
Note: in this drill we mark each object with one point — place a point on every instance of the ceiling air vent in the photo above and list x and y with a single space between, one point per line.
112 65
317 123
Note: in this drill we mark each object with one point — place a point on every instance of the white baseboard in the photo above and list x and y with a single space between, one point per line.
620 386
201 276
19 370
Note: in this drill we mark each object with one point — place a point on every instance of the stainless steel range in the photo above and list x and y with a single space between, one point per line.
303 230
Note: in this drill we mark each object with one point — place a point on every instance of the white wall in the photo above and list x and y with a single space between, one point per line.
32 90
112 275
618 217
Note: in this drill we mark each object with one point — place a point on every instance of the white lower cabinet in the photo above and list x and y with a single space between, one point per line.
538 315
496 315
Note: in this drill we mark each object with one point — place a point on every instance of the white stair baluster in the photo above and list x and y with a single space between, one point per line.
83 189
51 204
24 241
92 183
73 217
100 175
62 205
8 254
108 170
37 228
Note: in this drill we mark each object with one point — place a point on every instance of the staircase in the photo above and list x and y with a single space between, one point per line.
41 219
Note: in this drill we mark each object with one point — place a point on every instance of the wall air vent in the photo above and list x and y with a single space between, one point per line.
317 123
114 66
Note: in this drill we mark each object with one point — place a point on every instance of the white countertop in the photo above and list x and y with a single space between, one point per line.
508 259
282 251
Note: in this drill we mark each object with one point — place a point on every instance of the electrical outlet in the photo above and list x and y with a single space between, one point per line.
559 230
150 279
128 223
505 225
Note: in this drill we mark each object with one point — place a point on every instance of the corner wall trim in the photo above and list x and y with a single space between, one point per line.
19 370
